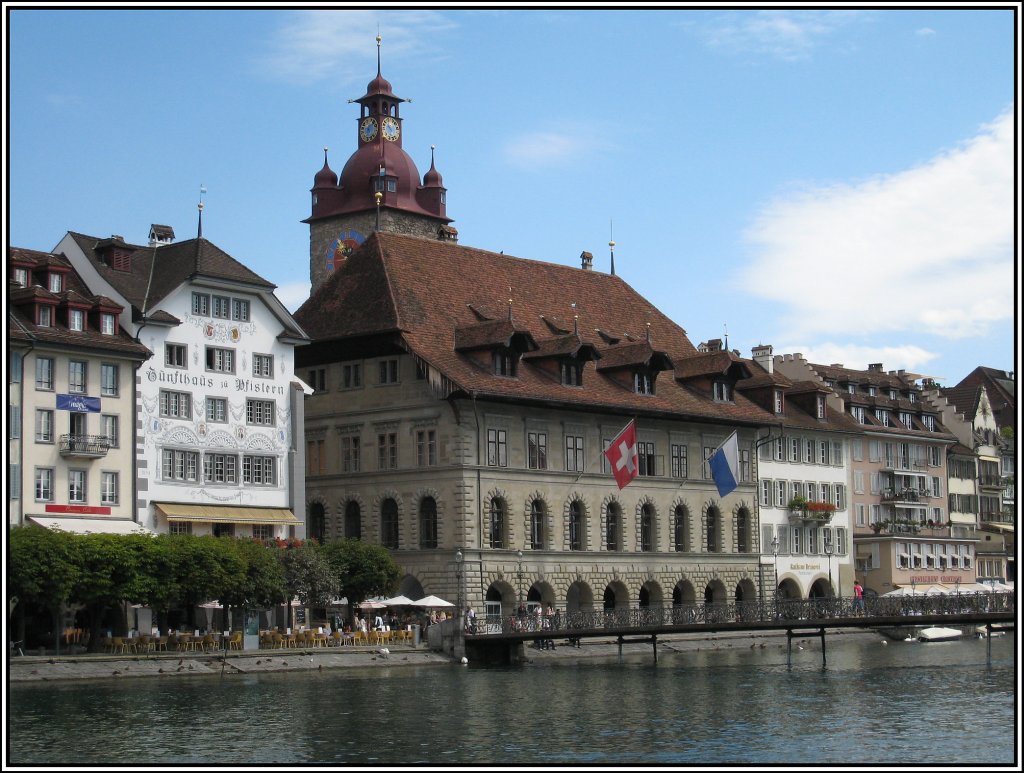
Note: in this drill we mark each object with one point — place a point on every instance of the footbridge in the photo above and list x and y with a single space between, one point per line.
503 639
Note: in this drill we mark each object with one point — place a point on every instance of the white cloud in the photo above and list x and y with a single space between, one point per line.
858 357
924 251
339 44
540 150
293 295
787 35
924 32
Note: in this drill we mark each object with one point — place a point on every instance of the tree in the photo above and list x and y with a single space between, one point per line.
42 572
111 570
309 577
363 570
259 583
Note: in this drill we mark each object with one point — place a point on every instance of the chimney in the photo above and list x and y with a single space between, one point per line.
586 261
763 356
875 367
160 235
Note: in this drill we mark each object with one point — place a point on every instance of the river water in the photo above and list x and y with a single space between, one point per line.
899 704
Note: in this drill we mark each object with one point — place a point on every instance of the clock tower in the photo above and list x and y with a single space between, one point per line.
379 187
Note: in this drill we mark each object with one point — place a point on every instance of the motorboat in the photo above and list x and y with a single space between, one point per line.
937 633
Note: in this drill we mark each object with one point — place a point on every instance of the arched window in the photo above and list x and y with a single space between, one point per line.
576 526
389 524
743 531
317 523
353 518
537 525
613 527
496 531
681 529
428 523
647 528
712 530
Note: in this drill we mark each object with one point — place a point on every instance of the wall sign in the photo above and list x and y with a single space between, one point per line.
78 403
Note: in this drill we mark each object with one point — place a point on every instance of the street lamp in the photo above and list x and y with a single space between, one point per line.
519 575
829 549
775 556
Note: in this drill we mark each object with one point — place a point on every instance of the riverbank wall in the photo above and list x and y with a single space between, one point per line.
52 667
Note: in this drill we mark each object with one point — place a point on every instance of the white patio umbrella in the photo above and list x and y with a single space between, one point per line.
432 602
399 601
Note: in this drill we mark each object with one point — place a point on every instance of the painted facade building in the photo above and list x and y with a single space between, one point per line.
218 410
71 400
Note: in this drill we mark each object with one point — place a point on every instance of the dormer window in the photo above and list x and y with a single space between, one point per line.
857 411
882 416
851 388
893 395
780 401
907 419
572 373
108 324
21 276
821 406
872 391
44 316
56 283
929 422
643 383
912 396
723 392
76 320
504 363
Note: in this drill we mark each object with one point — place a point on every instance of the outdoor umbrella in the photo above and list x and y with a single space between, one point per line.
399 601
432 602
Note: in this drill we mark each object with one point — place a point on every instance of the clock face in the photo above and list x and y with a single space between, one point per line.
368 129
389 129
342 247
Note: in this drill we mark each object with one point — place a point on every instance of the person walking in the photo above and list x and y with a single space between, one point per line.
858 598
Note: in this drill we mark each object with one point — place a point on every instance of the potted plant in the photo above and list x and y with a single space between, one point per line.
798 504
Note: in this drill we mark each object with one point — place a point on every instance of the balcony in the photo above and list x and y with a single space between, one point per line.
802 511
904 495
993 481
904 464
84 446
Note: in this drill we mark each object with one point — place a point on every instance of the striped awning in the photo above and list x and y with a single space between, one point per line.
226 514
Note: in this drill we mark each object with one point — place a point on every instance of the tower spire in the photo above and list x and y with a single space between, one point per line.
202 190
611 246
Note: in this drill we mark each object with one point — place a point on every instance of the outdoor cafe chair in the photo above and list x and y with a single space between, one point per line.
235 642
161 643
207 643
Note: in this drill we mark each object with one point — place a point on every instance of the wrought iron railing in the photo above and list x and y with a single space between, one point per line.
563 623
84 445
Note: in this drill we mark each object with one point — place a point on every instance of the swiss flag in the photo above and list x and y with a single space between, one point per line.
621 455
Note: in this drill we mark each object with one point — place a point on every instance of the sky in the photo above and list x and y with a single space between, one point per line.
837 181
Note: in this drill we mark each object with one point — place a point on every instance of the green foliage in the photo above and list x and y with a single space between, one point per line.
308 575
259 582
43 567
363 570
113 568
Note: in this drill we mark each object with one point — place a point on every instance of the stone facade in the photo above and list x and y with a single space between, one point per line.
325 233
463 485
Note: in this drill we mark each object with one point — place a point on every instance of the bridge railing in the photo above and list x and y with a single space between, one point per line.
564 622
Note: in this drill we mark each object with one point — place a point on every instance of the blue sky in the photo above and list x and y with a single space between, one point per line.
836 182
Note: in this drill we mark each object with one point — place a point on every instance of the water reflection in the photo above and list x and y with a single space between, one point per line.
910 703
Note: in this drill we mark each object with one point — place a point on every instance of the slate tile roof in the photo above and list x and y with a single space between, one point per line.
424 290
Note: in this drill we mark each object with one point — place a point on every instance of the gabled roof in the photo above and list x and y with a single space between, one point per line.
158 271
424 290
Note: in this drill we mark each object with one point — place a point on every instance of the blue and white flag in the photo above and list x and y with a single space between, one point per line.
725 465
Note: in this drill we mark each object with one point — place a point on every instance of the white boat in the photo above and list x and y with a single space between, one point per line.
939 634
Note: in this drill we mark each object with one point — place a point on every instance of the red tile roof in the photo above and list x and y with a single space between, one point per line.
424 290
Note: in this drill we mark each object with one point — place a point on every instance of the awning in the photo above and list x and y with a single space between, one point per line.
91 525
996 526
226 514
